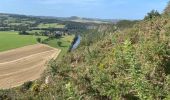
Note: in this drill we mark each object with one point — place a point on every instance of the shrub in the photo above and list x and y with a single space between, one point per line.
167 9
38 40
26 86
23 33
152 14
35 88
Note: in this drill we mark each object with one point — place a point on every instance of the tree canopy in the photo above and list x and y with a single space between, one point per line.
152 14
167 9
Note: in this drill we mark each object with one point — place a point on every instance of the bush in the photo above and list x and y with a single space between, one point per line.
26 86
35 88
38 40
23 33
152 14
167 9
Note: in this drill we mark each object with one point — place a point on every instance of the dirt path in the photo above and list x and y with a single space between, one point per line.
24 64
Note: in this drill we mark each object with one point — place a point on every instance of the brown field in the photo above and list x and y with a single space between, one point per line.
24 64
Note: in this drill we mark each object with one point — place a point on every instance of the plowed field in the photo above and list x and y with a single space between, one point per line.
24 64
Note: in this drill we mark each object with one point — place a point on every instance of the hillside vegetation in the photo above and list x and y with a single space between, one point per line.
129 64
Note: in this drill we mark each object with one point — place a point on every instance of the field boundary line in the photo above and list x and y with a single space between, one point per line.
26 57
11 50
56 54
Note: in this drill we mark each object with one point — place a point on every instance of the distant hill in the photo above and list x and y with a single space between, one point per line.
72 18
84 20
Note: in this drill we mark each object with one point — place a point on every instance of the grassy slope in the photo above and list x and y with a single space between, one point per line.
127 65
65 43
11 40
130 65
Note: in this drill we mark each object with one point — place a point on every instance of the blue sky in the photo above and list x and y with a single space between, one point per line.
107 9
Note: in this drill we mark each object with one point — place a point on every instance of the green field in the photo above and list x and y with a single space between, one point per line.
52 25
65 44
11 40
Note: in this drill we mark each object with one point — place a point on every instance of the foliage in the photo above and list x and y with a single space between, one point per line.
62 43
26 86
152 14
38 40
35 88
167 9
23 33
126 23
120 65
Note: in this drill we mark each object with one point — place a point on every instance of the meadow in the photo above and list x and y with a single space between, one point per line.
11 40
62 43
51 25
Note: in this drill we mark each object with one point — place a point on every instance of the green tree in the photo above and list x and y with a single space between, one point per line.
167 9
38 39
152 14
23 33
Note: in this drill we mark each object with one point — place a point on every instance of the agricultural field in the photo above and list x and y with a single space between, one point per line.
11 40
62 43
24 64
23 59
51 25
15 23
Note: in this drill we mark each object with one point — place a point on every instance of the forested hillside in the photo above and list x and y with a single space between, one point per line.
110 64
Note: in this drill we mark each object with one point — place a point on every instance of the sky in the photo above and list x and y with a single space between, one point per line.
105 9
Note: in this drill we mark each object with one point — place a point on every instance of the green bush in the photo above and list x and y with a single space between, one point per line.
26 86
152 14
38 40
